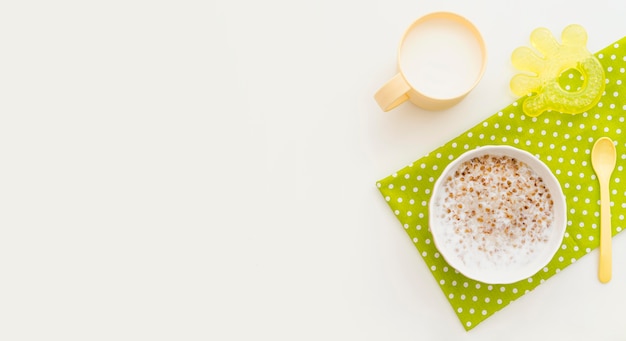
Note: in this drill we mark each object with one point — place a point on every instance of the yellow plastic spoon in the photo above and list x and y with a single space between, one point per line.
603 158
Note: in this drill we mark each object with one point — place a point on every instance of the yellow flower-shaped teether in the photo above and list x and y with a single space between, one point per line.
545 92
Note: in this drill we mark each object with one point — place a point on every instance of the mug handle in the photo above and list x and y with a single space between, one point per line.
393 93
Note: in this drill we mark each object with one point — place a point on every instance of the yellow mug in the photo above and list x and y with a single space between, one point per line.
441 58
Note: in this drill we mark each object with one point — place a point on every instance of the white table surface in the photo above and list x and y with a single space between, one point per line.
193 170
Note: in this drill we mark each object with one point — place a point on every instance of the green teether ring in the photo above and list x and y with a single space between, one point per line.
543 86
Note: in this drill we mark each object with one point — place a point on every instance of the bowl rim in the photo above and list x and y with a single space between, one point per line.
560 211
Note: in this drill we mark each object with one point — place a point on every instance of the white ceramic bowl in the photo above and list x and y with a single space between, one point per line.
496 271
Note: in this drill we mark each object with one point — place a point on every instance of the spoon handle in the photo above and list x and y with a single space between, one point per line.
604 271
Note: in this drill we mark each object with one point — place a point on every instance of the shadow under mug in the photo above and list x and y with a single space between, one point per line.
441 58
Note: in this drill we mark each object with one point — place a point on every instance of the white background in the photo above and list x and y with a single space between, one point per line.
193 170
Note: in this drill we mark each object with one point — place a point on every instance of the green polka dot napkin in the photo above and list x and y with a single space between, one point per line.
563 142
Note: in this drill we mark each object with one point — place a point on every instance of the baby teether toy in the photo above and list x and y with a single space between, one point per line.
545 92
